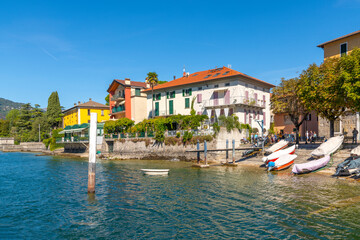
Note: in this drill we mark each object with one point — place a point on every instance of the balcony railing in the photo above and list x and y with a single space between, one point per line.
118 97
234 100
120 108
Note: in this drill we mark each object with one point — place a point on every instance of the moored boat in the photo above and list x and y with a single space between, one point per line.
348 167
355 152
328 147
155 171
283 162
274 156
311 166
277 146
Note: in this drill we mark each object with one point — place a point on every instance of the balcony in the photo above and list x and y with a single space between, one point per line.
117 109
118 97
234 101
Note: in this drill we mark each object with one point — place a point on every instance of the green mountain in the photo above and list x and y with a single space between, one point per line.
6 106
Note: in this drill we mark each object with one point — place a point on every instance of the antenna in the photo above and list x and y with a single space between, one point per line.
229 65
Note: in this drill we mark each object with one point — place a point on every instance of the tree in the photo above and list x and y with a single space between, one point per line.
4 128
152 79
322 89
107 100
13 117
53 112
285 99
350 75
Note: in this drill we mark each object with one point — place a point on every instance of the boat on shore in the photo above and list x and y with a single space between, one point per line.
277 146
283 162
348 167
328 147
274 156
155 171
311 166
355 153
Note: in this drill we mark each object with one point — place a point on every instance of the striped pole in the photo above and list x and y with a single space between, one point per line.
233 150
205 152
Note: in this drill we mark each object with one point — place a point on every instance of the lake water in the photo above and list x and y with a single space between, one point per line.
46 198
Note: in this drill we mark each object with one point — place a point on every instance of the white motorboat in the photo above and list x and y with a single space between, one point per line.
328 147
277 146
155 171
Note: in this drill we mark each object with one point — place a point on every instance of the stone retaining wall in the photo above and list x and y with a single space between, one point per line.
25 147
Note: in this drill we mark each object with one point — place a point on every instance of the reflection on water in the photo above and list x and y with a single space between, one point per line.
46 197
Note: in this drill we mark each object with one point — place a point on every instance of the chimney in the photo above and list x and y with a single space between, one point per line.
174 77
184 74
147 85
89 99
127 81
74 104
79 102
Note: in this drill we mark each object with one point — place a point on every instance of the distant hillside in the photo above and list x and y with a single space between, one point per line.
6 106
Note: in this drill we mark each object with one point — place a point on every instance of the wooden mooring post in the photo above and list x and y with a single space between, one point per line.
198 153
227 151
92 153
233 151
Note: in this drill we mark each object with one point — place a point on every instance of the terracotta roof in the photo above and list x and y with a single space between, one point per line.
206 75
89 104
132 83
116 82
345 36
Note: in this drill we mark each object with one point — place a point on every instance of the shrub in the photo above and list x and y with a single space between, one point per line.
172 141
187 137
160 136
178 134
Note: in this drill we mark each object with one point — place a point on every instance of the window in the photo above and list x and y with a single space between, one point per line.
187 102
308 117
343 49
217 74
157 96
226 72
207 76
137 91
170 94
88 112
199 98
199 88
255 87
246 85
102 112
194 75
187 92
216 86
227 84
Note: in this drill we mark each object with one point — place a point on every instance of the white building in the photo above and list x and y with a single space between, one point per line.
220 91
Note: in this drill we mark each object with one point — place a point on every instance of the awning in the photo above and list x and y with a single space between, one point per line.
217 111
226 111
221 89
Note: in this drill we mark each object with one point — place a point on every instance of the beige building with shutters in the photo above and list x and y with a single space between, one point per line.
215 92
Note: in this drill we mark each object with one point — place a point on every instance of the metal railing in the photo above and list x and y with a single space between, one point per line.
234 100
120 108
118 96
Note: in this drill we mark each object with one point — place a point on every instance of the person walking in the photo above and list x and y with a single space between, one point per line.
355 133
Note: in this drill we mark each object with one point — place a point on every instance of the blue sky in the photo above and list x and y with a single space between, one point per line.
78 47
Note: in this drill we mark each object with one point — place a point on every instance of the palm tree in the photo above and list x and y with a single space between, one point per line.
152 79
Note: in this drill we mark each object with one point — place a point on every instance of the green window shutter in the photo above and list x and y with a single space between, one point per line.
172 94
167 95
187 102
190 91
153 97
183 92
137 91
158 96
157 109
171 107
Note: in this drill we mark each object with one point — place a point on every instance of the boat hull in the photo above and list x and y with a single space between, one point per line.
155 171
311 166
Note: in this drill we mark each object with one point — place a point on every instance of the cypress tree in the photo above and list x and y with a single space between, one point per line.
53 112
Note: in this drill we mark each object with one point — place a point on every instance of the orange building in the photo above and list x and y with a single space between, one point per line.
127 100
284 125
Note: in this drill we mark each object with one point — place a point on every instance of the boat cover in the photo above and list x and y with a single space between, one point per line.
279 145
328 147
343 168
311 166
355 151
285 159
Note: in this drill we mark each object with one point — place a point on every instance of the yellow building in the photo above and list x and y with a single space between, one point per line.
341 46
80 113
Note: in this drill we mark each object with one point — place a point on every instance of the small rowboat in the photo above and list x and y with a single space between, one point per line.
328 147
155 171
311 166
283 162
274 156
277 146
